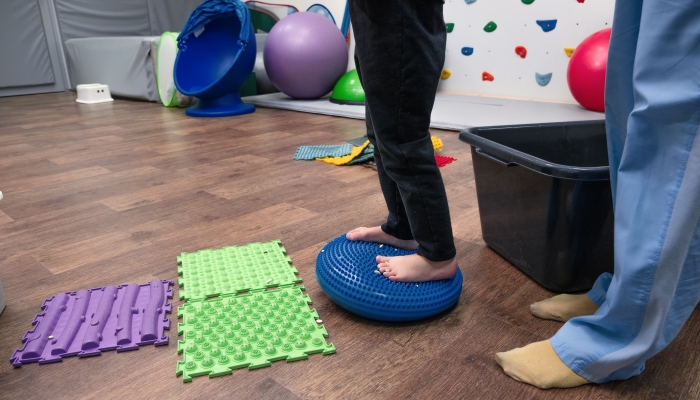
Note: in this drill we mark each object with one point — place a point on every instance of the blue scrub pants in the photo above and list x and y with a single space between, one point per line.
652 101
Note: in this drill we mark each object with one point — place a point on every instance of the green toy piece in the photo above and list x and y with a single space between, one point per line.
348 90
528 1
366 155
490 27
449 26
165 60
234 269
250 87
251 331
262 20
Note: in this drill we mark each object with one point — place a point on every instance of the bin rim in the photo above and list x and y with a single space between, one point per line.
510 157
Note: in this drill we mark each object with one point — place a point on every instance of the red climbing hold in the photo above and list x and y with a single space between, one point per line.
485 76
521 51
580 1
443 160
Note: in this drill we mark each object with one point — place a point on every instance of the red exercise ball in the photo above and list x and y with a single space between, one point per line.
586 73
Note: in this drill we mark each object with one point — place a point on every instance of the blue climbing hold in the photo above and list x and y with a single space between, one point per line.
467 51
543 79
470 1
345 270
547 24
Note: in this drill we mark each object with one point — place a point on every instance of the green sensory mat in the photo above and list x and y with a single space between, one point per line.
250 330
234 269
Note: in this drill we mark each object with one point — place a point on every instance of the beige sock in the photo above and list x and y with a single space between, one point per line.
564 307
539 365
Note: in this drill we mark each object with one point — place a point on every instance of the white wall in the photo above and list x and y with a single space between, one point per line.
495 52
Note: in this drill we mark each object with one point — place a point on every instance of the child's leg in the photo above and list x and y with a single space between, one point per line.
396 231
400 47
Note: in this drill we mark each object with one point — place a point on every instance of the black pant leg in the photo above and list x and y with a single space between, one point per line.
400 48
396 224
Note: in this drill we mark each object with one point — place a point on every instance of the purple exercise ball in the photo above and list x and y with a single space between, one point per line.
305 55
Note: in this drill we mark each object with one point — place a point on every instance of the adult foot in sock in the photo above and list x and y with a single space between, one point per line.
564 307
415 268
539 365
376 234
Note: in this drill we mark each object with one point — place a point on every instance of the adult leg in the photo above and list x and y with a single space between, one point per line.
619 103
656 284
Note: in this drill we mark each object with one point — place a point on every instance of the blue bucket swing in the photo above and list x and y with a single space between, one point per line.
216 58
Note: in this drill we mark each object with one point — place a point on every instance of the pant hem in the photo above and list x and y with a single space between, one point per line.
437 257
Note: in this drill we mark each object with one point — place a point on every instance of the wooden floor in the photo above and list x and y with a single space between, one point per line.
107 194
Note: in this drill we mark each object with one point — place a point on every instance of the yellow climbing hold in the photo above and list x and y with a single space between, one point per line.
445 74
356 151
437 143
569 51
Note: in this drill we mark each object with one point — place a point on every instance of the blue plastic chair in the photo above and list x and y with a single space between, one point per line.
216 58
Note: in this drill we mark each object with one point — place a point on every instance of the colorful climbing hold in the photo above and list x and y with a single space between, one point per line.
485 76
449 26
470 1
521 51
543 79
528 1
445 74
580 1
569 51
467 51
490 27
547 24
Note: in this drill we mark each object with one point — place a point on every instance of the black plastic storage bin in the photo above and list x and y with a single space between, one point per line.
545 200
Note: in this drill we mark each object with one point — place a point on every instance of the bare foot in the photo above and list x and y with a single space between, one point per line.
415 268
564 307
539 365
376 234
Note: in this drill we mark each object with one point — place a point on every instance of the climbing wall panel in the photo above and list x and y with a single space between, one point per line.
510 47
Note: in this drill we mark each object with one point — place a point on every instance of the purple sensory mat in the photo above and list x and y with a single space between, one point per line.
87 322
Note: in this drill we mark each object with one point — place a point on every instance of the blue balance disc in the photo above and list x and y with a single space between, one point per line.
345 271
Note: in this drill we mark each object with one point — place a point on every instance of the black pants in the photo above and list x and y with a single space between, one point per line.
399 53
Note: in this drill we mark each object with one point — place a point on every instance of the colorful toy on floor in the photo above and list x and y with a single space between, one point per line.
305 55
87 322
216 57
348 90
358 141
443 160
586 72
366 155
356 151
234 269
437 143
251 331
314 152
345 270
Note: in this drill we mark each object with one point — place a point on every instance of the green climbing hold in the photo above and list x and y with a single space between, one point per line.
528 1
450 26
490 27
